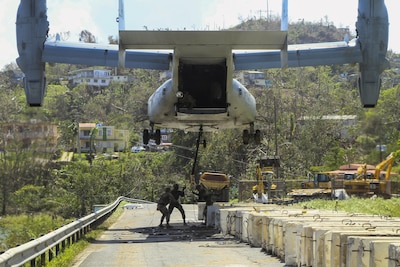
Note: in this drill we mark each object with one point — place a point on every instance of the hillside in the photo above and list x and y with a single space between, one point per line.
299 33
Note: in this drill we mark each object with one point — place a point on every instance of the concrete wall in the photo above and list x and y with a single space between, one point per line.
312 237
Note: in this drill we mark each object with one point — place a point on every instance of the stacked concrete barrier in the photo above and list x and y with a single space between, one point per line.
394 255
314 237
368 250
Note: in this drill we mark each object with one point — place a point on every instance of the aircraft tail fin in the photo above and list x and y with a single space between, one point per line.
284 27
121 16
121 27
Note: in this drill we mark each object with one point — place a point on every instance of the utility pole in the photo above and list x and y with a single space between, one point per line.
276 138
78 139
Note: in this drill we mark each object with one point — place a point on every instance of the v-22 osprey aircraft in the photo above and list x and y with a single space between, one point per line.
202 94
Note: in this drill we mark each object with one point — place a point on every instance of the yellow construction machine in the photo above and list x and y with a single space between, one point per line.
319 187
262 190
368 182
353 179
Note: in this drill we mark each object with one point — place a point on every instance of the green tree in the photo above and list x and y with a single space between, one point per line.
87 37
30 198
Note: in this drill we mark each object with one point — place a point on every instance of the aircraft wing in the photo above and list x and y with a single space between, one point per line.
202 44
232 39
107 55
102 55
301 55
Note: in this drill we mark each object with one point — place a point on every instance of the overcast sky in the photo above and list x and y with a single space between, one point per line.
99 16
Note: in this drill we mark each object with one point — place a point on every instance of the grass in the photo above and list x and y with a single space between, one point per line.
70 253
377 206
19 229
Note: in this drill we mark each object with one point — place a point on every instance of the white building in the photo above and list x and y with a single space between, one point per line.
253 78
95 77
344 122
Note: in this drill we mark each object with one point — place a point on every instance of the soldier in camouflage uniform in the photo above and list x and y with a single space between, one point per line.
165 199
177 193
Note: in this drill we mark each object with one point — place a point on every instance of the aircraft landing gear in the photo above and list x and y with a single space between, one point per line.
155 135
146 136
251 135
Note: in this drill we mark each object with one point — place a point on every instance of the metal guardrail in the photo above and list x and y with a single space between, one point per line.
53 243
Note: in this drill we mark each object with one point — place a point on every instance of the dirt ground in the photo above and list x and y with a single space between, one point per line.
136 240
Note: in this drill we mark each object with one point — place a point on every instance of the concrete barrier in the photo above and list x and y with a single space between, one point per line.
313 237
394 255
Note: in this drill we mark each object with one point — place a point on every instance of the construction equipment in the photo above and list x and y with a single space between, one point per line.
262 191
320 187
368 182
212 186
352 179
388 163
214 180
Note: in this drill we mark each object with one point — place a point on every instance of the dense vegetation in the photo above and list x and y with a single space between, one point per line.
31 182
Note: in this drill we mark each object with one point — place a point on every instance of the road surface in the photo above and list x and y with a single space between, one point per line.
136 240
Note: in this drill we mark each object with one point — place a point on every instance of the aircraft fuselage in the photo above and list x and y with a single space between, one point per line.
210 107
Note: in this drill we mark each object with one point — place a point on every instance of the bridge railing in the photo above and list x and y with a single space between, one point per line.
53 243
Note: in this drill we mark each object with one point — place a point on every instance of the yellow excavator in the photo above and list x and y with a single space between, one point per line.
262 190
388 163
355 179
371 181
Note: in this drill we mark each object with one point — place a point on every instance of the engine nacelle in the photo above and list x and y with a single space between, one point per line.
31 28
372 28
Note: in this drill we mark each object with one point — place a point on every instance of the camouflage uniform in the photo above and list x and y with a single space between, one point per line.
176 193
165 199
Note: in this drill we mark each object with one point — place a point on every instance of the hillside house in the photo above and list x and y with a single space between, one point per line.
342 122
105 139
36 134
99 78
